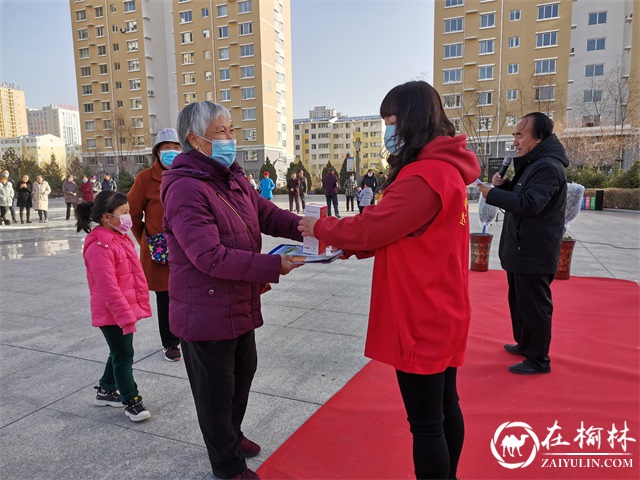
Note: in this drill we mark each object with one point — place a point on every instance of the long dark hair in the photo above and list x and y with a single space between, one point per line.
105 202
419 119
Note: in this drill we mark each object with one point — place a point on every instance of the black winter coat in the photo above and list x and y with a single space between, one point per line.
534 202
24 195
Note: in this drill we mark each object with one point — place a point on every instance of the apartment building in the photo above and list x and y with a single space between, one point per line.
141 61
13 113
327 136
37 147
60 120
496 60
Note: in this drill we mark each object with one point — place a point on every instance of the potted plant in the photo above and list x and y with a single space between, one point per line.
575 192
481 242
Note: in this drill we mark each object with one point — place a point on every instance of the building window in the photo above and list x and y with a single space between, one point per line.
103 69
83 34
225 74
547 92
206 33
249 114
223 32
190 97
453 76
247 72
136 103
130 6
457 124
136 122
87 89
188 58
485 72
222 10
186 37
104 88
102 50
134 65
453 3
452 25
108 142
594 44
485 124
592 96
546 39
118 85
546 12
250 134
246 50
248 93
85 71
245 28
207 54
225 95
134 84
514 15
91 143
452 100
208 75
116 47
106 106
252 155
514 42
223 53
88 107
106 124
186 17
487 20
116 66
205 12
84 52
487 46
189 78
595 70
512 94
81 15
485 98
99 32
597 18
90 126
119 104
245 6
132 46
99 12
513 68
545 66
453 50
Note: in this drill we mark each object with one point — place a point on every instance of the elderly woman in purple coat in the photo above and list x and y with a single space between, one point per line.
213 222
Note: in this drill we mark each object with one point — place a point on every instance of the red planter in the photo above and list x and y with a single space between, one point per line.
564 265
480 249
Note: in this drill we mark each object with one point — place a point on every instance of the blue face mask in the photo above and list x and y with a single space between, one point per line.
223 151
391 141
167 156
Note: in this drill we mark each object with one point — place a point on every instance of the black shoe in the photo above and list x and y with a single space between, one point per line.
28 221
513 348
523 368
7 222
135 410
106 398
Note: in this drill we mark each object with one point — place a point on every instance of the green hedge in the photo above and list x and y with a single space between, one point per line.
620 198
591 177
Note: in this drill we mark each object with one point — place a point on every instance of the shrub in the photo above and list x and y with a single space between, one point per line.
628 179
618 198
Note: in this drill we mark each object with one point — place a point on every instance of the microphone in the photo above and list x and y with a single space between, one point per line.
505 165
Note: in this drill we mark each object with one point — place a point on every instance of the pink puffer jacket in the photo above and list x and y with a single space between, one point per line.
118 289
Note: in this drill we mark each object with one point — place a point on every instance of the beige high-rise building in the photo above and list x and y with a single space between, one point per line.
13 111
139 62
60 120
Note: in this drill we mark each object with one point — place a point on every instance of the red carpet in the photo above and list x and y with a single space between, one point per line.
362 433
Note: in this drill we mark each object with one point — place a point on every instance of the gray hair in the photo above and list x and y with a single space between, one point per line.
196 118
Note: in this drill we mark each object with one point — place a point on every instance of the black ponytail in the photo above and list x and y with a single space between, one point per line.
105 202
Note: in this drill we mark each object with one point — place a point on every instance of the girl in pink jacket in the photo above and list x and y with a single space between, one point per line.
119 296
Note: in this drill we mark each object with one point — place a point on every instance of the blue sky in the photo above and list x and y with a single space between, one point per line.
346 53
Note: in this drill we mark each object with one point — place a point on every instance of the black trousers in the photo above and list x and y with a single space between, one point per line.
22 212
168 339
332 199
435 420
302 199
220 374
70 206
531 309
41 212
350 200
294 197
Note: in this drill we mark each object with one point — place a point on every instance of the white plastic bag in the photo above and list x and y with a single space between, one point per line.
575 192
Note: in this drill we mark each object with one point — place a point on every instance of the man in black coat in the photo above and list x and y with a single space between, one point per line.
534 202
369 180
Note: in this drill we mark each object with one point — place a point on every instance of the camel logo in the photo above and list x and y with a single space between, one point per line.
514 453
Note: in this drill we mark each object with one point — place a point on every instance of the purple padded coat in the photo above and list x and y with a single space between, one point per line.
213 221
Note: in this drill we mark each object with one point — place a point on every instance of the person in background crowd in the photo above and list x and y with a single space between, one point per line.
96 186
370 180
252 182
534 202
6 197
109 184
213 222
86 190
330 185
366 194
303 189
420 308
40 195
119 296
147 212
13 186
70 191
293 187
350 192
24 198
266 187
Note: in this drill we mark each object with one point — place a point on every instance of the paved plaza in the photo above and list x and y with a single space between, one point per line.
311 344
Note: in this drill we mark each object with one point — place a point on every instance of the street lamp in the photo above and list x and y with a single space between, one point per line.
356 144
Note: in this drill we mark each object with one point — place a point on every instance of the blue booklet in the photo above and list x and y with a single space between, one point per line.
299 257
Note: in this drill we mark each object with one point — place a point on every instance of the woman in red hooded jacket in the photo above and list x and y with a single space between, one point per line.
420 310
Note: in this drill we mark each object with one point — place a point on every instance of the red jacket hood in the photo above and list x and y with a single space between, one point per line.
453 150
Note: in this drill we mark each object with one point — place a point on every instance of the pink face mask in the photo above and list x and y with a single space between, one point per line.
125 223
